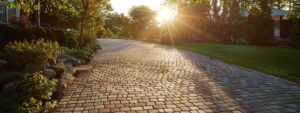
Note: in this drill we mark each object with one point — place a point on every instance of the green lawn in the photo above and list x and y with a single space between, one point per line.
282 62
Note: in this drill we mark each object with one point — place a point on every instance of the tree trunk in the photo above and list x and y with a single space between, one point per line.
37 15
83 21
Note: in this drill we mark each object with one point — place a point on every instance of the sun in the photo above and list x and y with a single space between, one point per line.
165 15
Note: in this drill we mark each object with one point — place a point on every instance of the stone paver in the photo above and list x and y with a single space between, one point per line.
139 77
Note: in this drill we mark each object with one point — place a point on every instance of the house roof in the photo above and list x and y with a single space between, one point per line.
278 12
275 12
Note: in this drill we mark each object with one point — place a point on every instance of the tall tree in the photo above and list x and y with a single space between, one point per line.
294 15
26 7
224 9
141 16
260 21
215 10
92 17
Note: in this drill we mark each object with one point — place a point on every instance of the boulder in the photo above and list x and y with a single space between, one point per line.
67 79
10 87
49 73
74 61
70 59
83 69
69 68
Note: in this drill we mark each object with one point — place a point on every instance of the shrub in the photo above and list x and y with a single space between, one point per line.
37 93
86 52
58 68
34 95
72 33
11 33
294 37
88 38
82 53
94 46
72 42
61 36
35 52
65 50
7 77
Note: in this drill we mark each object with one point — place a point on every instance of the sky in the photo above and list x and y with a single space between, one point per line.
123 6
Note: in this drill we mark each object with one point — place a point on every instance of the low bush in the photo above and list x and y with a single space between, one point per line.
94 46
72 42
65 50
35 52
82 53
34 95
11 33
86 52
58 68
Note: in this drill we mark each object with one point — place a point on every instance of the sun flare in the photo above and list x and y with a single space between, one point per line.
165 15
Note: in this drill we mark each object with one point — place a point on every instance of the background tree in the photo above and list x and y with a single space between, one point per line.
141 17
193 19
60 13
92 18
116 23
27 7
260 22
294 15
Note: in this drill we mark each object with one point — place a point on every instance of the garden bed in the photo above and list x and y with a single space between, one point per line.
33 75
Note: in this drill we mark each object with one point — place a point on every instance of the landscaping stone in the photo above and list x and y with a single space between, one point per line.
61 60
67 79
83 69
70 59
69 68
10 87
49 73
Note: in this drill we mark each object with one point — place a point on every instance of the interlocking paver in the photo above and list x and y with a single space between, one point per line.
133 76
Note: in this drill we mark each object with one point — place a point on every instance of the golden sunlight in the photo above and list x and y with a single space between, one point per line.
165 15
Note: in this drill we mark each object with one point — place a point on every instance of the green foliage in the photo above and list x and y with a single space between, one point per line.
28 6
114 23
34 95
39 51
11 33
108 33
72 42
65 50
141 16
294 37
94 46
38 90
86 52
7 77
58 68
88 38
82 53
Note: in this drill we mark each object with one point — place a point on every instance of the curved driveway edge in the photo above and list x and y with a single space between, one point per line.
132 76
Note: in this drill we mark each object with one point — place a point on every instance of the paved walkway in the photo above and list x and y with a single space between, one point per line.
132 76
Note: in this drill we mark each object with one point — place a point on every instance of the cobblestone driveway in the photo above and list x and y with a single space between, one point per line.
132 76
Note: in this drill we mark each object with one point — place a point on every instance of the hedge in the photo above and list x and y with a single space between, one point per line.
10 33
